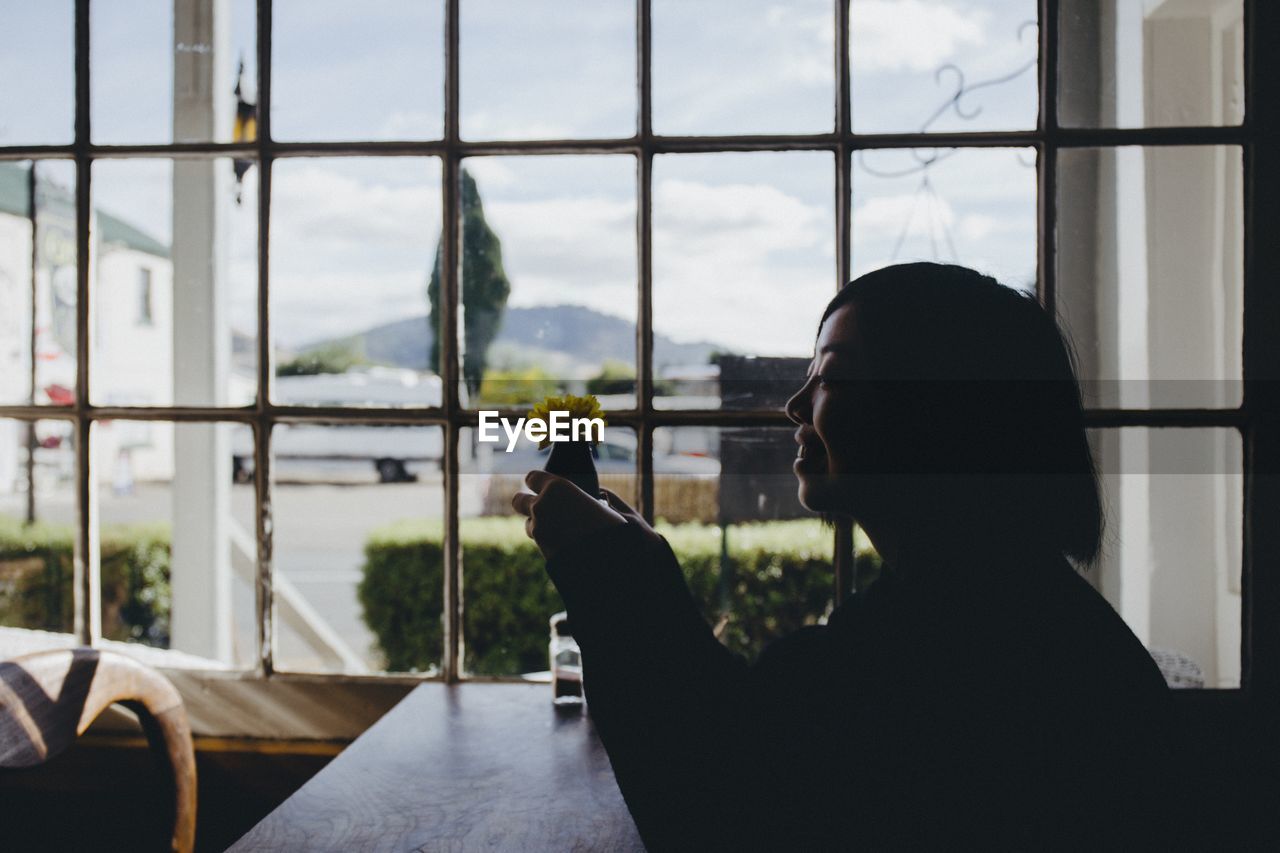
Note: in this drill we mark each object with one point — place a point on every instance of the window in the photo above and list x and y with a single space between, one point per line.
352 226
144 297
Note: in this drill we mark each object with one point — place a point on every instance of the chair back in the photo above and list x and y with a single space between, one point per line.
49 698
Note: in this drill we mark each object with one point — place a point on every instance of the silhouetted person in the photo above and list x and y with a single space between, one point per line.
979 695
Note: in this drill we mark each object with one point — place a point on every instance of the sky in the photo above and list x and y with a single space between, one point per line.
737 237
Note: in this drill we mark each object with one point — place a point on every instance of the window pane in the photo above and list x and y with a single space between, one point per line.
969 206
352 242
1126 64
358 574
157 80
373 70
37 524
179 552
548 278
744 262
757 562
37 44
38 317
743 66
942 65
1150 273
157 222
508 599
548 69
1171 559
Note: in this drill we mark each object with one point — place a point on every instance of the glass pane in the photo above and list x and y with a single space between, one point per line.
37 524
1150 273
970 206
548 69
156 79
157 222
1172 554
373 70
1125 64
358 575
758 563
942 65
744 263
179 552
548 278
38 315
37 46
743 66
352 242
508 598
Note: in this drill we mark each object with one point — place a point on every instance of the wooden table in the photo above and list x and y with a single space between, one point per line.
454 768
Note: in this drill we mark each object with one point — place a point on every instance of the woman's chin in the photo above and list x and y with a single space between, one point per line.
816 493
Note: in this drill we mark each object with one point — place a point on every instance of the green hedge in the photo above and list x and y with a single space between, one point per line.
36 579
779 579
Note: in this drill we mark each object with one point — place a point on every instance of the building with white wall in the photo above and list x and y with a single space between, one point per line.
1150 278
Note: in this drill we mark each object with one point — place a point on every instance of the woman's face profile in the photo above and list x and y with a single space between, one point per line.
824 411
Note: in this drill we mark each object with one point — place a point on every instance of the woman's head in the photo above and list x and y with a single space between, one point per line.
939 397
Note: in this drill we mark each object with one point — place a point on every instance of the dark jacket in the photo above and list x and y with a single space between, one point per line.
999 706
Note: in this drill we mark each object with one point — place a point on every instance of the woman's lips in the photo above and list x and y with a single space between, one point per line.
809 457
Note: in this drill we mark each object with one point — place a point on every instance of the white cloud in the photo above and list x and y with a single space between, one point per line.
976 226
491 173
910 35
348 251
569 250
886 215
328 212
804 44
409 124
754 217
745 265
483 124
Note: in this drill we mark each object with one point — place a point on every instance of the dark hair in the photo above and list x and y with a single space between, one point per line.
979 390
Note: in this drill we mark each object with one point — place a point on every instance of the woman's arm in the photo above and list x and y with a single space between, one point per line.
659 687
708 752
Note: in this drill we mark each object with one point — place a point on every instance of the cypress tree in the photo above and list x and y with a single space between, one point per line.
485 288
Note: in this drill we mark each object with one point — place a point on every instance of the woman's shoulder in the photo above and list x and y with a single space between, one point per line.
1077 637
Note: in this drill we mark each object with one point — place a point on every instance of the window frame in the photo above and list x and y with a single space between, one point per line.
1256 419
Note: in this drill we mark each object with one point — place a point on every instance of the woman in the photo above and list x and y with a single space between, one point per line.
979 694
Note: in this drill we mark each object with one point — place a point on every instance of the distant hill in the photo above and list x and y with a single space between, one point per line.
568 334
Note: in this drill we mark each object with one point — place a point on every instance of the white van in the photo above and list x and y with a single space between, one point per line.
340 451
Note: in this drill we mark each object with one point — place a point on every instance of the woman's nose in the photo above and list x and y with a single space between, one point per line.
798 406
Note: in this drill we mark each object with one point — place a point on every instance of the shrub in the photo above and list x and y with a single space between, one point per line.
778 578
36 574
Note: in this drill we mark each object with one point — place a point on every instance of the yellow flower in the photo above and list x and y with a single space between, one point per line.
577 407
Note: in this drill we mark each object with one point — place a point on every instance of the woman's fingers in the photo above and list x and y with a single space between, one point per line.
522 502
537 479
564 513
618 503
625 510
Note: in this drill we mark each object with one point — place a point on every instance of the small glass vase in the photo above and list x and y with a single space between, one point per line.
573 461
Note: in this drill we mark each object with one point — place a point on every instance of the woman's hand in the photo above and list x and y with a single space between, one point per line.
558 513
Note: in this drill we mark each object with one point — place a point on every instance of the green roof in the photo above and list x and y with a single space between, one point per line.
15 200
112 229
15 195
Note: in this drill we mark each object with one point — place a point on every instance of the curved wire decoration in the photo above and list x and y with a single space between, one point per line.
927 158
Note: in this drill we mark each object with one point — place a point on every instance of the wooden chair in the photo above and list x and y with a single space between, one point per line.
49 698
